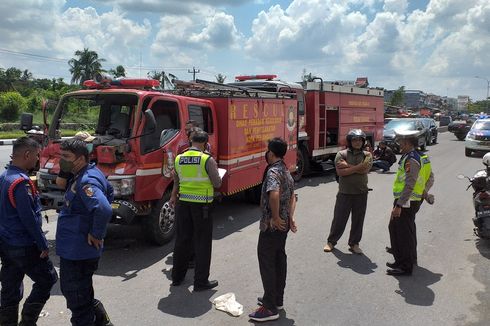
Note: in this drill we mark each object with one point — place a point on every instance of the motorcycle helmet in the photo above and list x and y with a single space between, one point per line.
486 160
355 133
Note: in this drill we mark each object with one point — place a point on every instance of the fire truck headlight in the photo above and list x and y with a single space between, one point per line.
127 187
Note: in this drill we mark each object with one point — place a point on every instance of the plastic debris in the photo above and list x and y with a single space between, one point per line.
44 313
227 303
230 218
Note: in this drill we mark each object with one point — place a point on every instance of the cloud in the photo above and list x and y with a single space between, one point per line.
426 48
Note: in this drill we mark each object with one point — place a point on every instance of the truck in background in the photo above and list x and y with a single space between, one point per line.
140 130
326 113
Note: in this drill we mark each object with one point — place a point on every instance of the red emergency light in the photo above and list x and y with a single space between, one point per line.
251 77
122 82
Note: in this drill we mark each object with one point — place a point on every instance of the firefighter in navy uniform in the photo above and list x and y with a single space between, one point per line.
196 175
82 226
23 246
413 180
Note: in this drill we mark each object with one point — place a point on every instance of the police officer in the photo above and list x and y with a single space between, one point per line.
82 226
23 246
196 175
412 182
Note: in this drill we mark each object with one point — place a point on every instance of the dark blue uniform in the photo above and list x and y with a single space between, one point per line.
21 243
87 209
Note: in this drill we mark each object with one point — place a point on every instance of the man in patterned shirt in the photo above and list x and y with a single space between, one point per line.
278 203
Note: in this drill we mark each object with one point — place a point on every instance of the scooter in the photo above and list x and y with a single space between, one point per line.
480 183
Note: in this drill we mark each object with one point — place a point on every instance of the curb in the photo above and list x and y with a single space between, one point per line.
6 142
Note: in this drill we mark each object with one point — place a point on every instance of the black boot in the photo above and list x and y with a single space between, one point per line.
101 316
30 314
9 315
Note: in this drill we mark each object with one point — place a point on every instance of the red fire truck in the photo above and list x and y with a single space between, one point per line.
326 111
140 130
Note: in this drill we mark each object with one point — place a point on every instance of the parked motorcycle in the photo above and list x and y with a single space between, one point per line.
480 182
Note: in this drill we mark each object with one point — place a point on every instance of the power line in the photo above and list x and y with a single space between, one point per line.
194 72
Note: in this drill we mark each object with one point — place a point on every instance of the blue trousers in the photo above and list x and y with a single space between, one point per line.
18 262
77 288
384 165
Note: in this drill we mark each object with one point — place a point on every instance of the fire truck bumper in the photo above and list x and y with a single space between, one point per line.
123 212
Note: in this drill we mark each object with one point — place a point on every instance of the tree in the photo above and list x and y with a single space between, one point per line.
220 78
118 72
86 66
166 80
398 97
11 104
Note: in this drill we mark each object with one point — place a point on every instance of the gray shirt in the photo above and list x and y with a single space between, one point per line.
356 183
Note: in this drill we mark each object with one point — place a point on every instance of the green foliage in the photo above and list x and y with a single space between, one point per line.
86 66
118 72
479 106
398 97
11 105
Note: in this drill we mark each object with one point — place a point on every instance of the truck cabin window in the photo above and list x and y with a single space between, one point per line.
104 116
168 124
202 115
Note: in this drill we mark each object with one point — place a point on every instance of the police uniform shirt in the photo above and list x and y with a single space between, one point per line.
211 169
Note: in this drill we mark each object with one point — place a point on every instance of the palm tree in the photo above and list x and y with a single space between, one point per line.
118 72
86 66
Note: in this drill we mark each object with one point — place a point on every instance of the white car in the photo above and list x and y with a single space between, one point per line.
478 138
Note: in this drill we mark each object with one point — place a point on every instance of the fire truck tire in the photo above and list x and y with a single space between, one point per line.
159 225
253 194
302 164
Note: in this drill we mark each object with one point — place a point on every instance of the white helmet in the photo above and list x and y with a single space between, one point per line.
486 159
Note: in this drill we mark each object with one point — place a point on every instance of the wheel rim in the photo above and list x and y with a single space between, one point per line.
167 218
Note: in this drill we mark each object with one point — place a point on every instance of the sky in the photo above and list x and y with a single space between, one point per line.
437 46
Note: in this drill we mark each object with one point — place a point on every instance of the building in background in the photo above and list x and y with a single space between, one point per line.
463 101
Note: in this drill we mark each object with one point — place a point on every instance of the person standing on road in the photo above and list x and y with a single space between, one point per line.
195 178
23 245
413 180
278 203
352 166
82 226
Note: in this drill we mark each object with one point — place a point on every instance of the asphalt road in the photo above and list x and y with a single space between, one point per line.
449 287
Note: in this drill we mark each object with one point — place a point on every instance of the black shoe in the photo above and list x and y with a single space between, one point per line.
392 265
389 250
177 282
398 272
101 316
206 286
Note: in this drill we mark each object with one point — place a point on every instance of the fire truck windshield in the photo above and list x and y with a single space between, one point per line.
103 115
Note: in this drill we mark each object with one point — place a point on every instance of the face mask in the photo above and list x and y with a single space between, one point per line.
266 157
90 148
66 166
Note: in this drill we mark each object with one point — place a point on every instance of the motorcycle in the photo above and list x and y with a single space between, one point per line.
480 182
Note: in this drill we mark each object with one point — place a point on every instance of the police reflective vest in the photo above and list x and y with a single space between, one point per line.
424 174
194 183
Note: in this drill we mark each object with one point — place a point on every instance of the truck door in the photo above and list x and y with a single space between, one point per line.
168 123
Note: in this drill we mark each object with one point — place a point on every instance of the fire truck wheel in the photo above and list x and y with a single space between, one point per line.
253 194
159 225
302 164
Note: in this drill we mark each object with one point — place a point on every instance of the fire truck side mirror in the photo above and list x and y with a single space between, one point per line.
150 121
26 121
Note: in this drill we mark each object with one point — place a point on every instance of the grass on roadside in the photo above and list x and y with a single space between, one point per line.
17 134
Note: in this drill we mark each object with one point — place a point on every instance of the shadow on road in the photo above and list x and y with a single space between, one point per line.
481 275
360 264
415 289
181 302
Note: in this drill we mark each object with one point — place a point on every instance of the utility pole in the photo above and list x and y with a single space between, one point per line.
194 71
488 89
